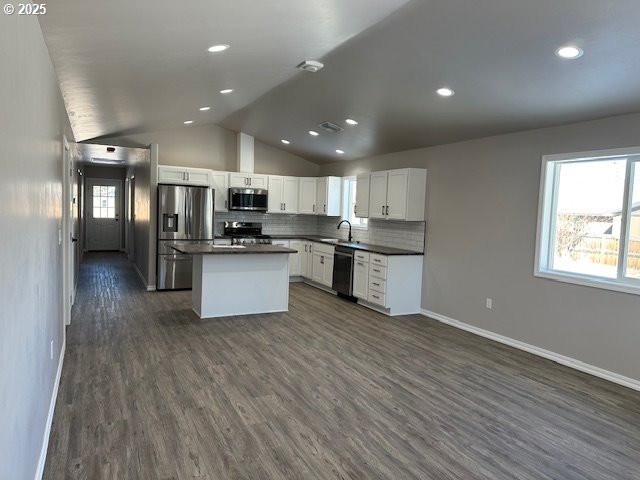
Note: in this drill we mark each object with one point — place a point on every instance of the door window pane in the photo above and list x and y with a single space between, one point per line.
588 217
633 244
104 201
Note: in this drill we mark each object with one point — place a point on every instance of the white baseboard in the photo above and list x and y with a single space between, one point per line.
149 288
52 408
541 352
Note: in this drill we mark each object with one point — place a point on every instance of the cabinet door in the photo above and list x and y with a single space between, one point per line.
307 197
290 190
258 181
321 196
362 195
276 184
397 188
378 195
318 268
220 183
327 278
199 176
295 259
238 180
172 175
360 279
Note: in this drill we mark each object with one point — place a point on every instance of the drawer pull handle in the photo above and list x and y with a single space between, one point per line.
376 296
376 284
361 264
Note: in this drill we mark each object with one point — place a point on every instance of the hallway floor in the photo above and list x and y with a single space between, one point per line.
328 390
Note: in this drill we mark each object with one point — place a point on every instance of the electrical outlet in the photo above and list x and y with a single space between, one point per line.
59 237
490 303
51 349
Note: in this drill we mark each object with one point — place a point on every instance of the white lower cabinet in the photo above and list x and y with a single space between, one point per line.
322 265
361 279
295 259
394 282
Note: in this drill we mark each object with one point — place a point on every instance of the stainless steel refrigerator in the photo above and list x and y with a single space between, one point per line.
185 215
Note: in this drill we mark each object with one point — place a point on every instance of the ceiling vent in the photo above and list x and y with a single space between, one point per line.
107 161
331 127
310 66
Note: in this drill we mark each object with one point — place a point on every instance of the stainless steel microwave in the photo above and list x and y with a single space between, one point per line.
248 199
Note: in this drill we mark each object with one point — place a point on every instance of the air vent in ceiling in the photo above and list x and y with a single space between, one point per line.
310 66
331 127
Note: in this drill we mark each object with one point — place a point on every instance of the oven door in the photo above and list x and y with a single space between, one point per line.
248 199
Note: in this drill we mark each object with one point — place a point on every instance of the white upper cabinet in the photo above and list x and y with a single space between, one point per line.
220 184
361 208
248 180
328 196
377 195
184 175
307 197
283 194
398 194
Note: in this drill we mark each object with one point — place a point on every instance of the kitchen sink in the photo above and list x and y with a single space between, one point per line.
330 240
228 246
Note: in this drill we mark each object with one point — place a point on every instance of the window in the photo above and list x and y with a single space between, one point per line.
104 201
589 219
349 202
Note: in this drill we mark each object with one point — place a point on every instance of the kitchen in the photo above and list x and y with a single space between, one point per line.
450 192
398 195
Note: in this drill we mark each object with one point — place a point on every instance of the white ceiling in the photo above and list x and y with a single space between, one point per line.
129 67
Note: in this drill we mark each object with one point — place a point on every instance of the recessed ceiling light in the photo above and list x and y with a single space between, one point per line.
188 122
351 121
218 48
313 133
570 52
445 92
339 152
286 142
204 109
226 90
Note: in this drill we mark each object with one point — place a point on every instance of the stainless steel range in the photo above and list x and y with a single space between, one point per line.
246 233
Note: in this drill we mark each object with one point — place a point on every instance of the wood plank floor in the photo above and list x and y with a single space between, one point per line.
328 390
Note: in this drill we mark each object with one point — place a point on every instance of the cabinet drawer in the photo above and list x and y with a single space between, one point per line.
377 259
377 284
324 249
376 297
361 256
378 272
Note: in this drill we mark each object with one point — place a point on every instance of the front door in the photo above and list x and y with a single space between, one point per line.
103 214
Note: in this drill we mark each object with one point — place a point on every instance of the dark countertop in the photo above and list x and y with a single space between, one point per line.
226 249
367 247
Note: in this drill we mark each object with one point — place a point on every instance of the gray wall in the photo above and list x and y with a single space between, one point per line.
32 123
211 146
482 204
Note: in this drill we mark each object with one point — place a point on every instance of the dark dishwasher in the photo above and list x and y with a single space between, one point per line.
343 272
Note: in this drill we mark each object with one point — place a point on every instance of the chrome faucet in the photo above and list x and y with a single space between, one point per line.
349 228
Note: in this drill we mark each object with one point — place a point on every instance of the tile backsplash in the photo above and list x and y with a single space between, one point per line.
406 235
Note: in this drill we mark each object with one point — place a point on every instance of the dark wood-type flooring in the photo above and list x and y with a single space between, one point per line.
328 390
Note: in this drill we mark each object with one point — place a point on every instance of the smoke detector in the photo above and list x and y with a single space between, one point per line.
310 66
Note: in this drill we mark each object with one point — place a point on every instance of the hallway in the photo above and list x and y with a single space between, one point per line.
326 390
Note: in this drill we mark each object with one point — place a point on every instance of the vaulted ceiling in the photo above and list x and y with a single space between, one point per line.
129 67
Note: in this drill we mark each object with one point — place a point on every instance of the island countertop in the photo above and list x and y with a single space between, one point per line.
203 249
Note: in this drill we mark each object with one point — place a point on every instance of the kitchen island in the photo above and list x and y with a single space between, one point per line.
239 280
